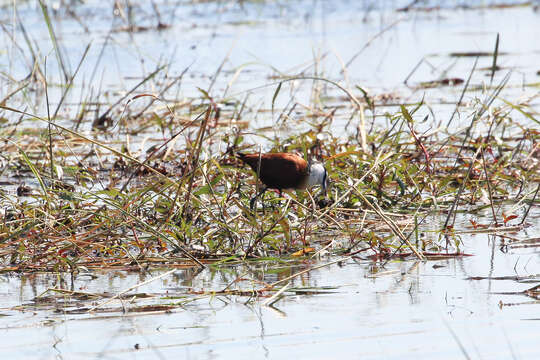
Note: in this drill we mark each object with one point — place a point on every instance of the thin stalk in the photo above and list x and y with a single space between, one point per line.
200 139
51 159
485 106
488 180
463 93
458 196
495 54
54 40
70 83
258 180
530 205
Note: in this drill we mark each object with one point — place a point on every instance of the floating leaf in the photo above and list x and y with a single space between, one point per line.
508 218
303 252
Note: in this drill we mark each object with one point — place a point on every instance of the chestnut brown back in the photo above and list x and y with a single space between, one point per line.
279 170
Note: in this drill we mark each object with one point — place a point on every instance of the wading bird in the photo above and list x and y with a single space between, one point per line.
285 171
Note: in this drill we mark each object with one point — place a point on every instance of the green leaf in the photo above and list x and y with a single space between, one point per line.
207 189
406 114
36 174
519 108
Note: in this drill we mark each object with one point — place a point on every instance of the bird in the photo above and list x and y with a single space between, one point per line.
285 171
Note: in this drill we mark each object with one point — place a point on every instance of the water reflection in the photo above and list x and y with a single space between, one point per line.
407 309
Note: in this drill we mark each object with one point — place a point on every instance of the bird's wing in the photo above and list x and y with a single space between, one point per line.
283 171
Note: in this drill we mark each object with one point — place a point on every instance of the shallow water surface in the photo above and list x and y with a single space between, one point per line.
406 309
259 44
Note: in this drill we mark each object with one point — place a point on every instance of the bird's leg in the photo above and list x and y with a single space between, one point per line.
253 199
280 195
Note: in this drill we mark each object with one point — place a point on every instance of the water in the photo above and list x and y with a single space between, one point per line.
257 42
407 310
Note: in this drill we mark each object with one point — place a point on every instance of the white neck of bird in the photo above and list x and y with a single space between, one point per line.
317 174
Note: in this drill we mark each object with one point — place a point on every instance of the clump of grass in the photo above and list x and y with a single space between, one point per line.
190 205
86 200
